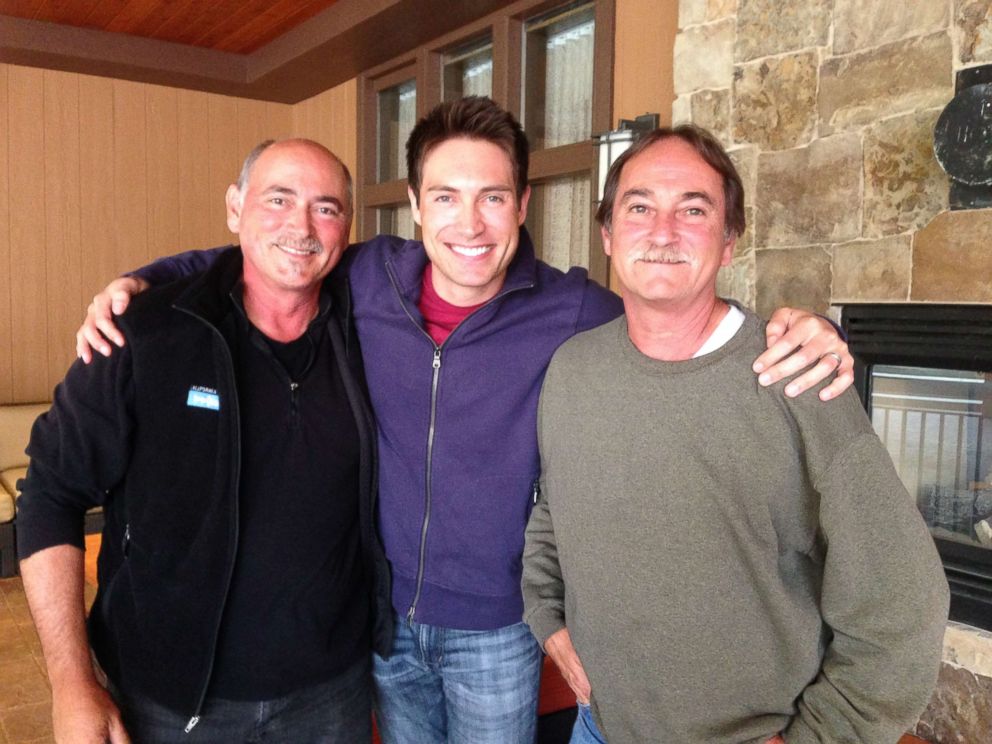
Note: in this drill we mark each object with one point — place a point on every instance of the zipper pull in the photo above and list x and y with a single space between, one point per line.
192 722
536 491
293 386
126 540
437 358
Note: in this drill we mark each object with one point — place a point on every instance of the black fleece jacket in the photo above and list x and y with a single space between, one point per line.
122 433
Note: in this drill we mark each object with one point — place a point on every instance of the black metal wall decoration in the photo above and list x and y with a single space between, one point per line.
963 139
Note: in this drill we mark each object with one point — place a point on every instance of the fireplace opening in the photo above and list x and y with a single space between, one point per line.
924 374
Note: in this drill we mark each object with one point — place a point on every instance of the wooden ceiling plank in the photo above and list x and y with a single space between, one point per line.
173 12
281 16
102 13
20 8
238 15
182 26
72 12
133 13
247 40
213 14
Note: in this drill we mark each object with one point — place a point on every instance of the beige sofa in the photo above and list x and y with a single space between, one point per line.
15 431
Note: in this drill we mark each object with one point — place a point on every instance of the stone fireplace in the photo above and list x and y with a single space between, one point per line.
828 109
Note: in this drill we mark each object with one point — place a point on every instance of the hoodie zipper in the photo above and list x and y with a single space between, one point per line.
431 429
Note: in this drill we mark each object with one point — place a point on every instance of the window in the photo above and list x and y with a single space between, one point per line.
558 72
396 116
550 64
468 71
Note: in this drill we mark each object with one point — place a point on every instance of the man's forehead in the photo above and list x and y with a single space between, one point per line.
671 163
285 165
464 154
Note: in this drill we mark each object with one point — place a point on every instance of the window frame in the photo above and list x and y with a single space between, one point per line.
505 29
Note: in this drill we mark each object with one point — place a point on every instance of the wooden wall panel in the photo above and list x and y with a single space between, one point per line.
98 176
331 118
259 121
162 156
26 200
6 332
130 175
96 194
225 158
196 218
63 256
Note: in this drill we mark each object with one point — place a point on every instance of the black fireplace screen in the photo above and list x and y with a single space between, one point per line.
936 425
924 373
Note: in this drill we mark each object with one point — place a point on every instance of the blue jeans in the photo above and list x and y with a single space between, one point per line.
458 686
335 712
585 730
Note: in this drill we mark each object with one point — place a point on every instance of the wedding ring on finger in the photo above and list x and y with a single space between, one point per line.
832 355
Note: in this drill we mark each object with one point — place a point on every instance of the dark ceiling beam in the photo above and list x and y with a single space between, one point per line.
330 48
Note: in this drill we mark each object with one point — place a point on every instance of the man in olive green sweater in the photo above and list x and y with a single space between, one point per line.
711 561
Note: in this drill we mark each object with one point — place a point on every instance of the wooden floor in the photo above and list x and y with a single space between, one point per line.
25 697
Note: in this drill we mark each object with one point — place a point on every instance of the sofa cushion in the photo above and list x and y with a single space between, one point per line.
15 431
8 489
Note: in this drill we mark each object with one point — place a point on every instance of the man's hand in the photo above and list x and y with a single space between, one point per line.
796 339
777 739
99 325
86 714
559 647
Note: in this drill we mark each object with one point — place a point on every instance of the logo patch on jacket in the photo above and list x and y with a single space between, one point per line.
203 397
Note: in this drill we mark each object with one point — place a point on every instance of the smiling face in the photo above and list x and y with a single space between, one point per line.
668 237
292 216
470 218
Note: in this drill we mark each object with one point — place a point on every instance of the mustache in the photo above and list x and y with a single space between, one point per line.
660 254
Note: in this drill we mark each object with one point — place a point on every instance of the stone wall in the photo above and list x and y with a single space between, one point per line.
828 109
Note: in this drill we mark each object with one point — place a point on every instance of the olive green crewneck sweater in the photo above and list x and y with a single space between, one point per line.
730 562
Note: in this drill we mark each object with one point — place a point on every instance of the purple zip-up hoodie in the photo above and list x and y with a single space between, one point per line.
458 456
458 425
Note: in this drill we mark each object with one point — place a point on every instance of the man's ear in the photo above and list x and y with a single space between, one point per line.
728 250
607 240
414 205
524 201
233 201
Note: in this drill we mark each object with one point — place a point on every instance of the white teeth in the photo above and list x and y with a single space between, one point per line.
296 251
471 250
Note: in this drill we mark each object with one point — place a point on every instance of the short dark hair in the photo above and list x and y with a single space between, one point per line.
709 149
472 117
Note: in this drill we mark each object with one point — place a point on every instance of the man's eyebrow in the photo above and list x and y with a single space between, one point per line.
484 189
688 195
276 189
631 193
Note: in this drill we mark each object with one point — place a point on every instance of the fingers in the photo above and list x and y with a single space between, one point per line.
840 383
117 732
83 349
98 330
814 375
811 340
777 325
